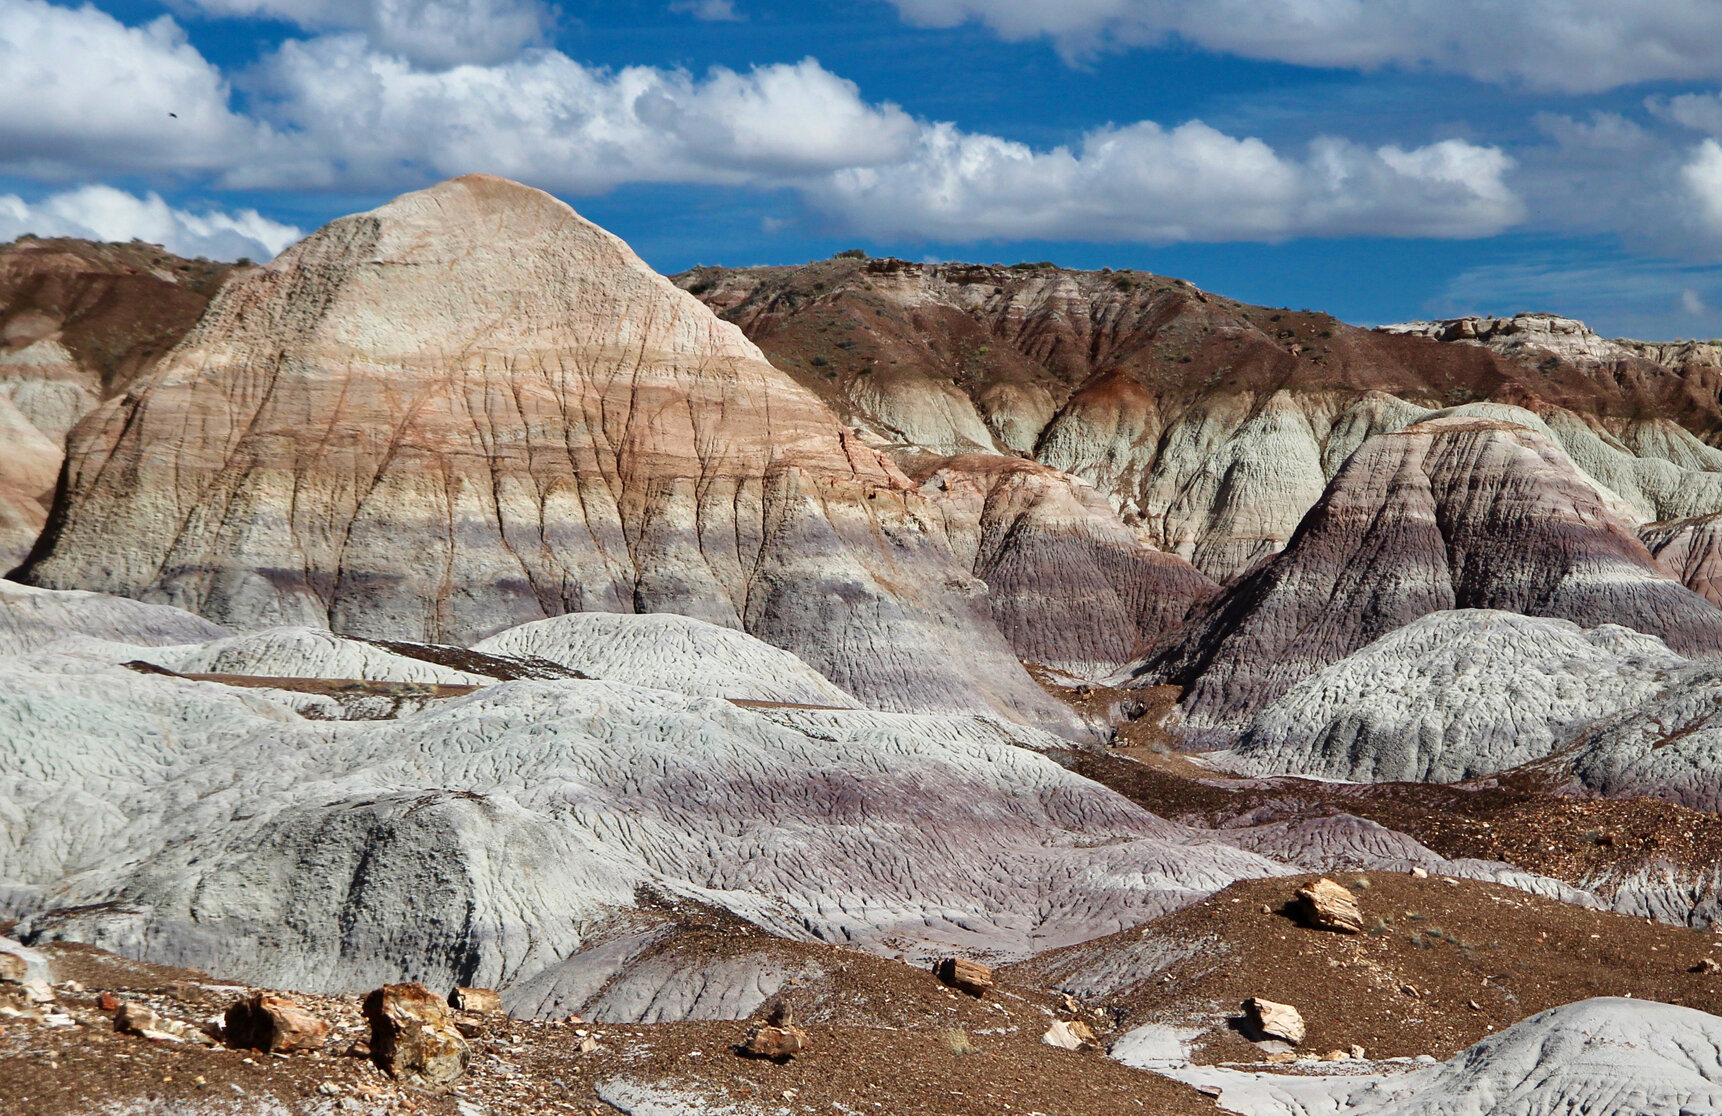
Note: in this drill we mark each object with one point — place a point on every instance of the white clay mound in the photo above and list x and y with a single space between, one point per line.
668 652
1601 1057
1453 695
490 838
32 618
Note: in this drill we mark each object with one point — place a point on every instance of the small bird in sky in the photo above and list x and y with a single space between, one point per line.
175 115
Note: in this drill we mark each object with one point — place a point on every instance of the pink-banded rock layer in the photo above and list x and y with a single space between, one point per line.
470 409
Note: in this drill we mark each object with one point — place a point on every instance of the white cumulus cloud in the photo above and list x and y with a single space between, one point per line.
82 92
1572 45
425 32
1148 183
358 118
342 111
1702 177
104 213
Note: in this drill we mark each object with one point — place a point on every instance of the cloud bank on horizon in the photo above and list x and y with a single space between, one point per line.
373 97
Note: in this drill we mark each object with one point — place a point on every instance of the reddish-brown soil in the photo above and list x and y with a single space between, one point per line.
1441 964
1517 817
117 307
951 1055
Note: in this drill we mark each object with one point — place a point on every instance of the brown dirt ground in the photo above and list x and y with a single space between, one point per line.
960 1057
1441 965
1517 817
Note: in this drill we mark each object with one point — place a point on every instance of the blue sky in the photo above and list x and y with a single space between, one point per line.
1380 159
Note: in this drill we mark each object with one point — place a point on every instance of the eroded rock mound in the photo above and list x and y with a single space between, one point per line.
1601 1055
669 652
1690 549
189 822
32 618
1454 512
78 321
1665 746
1451 696
471 409
1069 584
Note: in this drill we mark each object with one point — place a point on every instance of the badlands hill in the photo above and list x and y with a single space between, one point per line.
471 409
78 322
1461 511
1211 424
453 599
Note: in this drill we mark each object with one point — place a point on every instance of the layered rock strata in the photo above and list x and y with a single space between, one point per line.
1068 583
1690 549
471 409
78 321
1210 424
1450 513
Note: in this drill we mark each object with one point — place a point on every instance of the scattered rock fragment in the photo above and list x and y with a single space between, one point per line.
413 1036
1274 1020
135 1019
777 1043
273 1024
1326 905
484 1001
965 975
19 964
38 992
1419 873
1069 1034
1707 965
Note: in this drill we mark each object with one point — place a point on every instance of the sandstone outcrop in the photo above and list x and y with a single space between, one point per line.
482 1000
470 409
1453 695
1274 1020
776 1043
1069 584
965 975
1454 512
1326 905
273 1024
